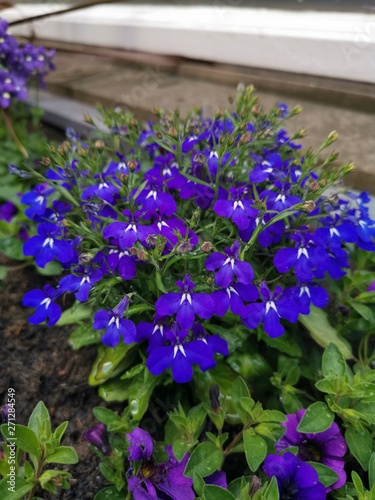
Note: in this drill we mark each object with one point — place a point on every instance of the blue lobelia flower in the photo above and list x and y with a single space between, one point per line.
238 208
229 267
127 233
280 199
185 304
118 167
153 196
173 230
304 294
304 258
105 189
45 307
327 447
275 306
46 246
268 165
180 355
153 332
123 262
37 200
233 298
81 283
115 325
296 480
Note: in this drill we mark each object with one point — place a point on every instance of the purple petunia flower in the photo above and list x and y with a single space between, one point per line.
156 481
115 325
141 445
229 266
327 447
98 436
296 480
45 307
185 304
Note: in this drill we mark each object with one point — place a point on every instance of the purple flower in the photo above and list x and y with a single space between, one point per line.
181 354
233 298
141 445
37 200
327 447
230 267
263 170
123 262
98 436
218 478
46 246
305 293
275 306
153 198
81 283
185 304
371 287
45 307
296 480
162 481
105 190
303 258
127 233
238 208
153 332
115 325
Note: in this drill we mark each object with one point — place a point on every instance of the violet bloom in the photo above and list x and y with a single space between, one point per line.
237 208
173 230
180 355
296 480
46 246
37 200
118 167
229 266
327 447
218 478
305 293
281 199
98 437
233 298
304 258
123 262
115 325
141 445
275 306
153 197
42 300
265 167
105 190
154 481
81 283
153 332
127 233
371 287
185 304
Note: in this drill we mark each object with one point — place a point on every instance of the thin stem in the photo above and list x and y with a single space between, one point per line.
9 124
37 476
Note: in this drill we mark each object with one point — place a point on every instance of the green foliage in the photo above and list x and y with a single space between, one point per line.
41 447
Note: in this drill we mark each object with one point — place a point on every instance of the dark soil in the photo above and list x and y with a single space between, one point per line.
39 364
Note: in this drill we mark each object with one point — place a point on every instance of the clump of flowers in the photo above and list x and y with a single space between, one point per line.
204 249
18 64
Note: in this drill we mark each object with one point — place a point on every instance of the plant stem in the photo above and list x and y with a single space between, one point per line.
9 124
37 476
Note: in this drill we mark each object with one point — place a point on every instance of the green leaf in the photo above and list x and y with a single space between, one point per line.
111 420
241 391
367 409
366 297
40 421
12 248
21 488
360 445
59 432
205 460
357 482
51 269
159 283
84 335
333 362
323 333
110 493
317 418
326 475
361 309
272 490
180 448
255 449
29 471
63 455
74 314
3 272
371 471
213 492
198 483
110 361
50 478
26 439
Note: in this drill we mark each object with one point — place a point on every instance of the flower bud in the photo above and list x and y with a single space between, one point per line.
332 137
133 251
323 183
132 165
348 168
98 436
142 255
308 206
87 119
159 135
254 486
81 151
312 186
184 247
99 144
45 161
245 138
334 200
199 158
207 246
63 149
85 258
123 177
172 132
151 240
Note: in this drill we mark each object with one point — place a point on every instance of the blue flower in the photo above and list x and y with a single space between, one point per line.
81 283
238 208
46 246
115 325
127 233
233 298
45 307
98 436
37 200
229 267
296 479
185 304
275 306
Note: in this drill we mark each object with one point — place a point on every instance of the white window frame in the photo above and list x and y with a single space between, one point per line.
331 44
